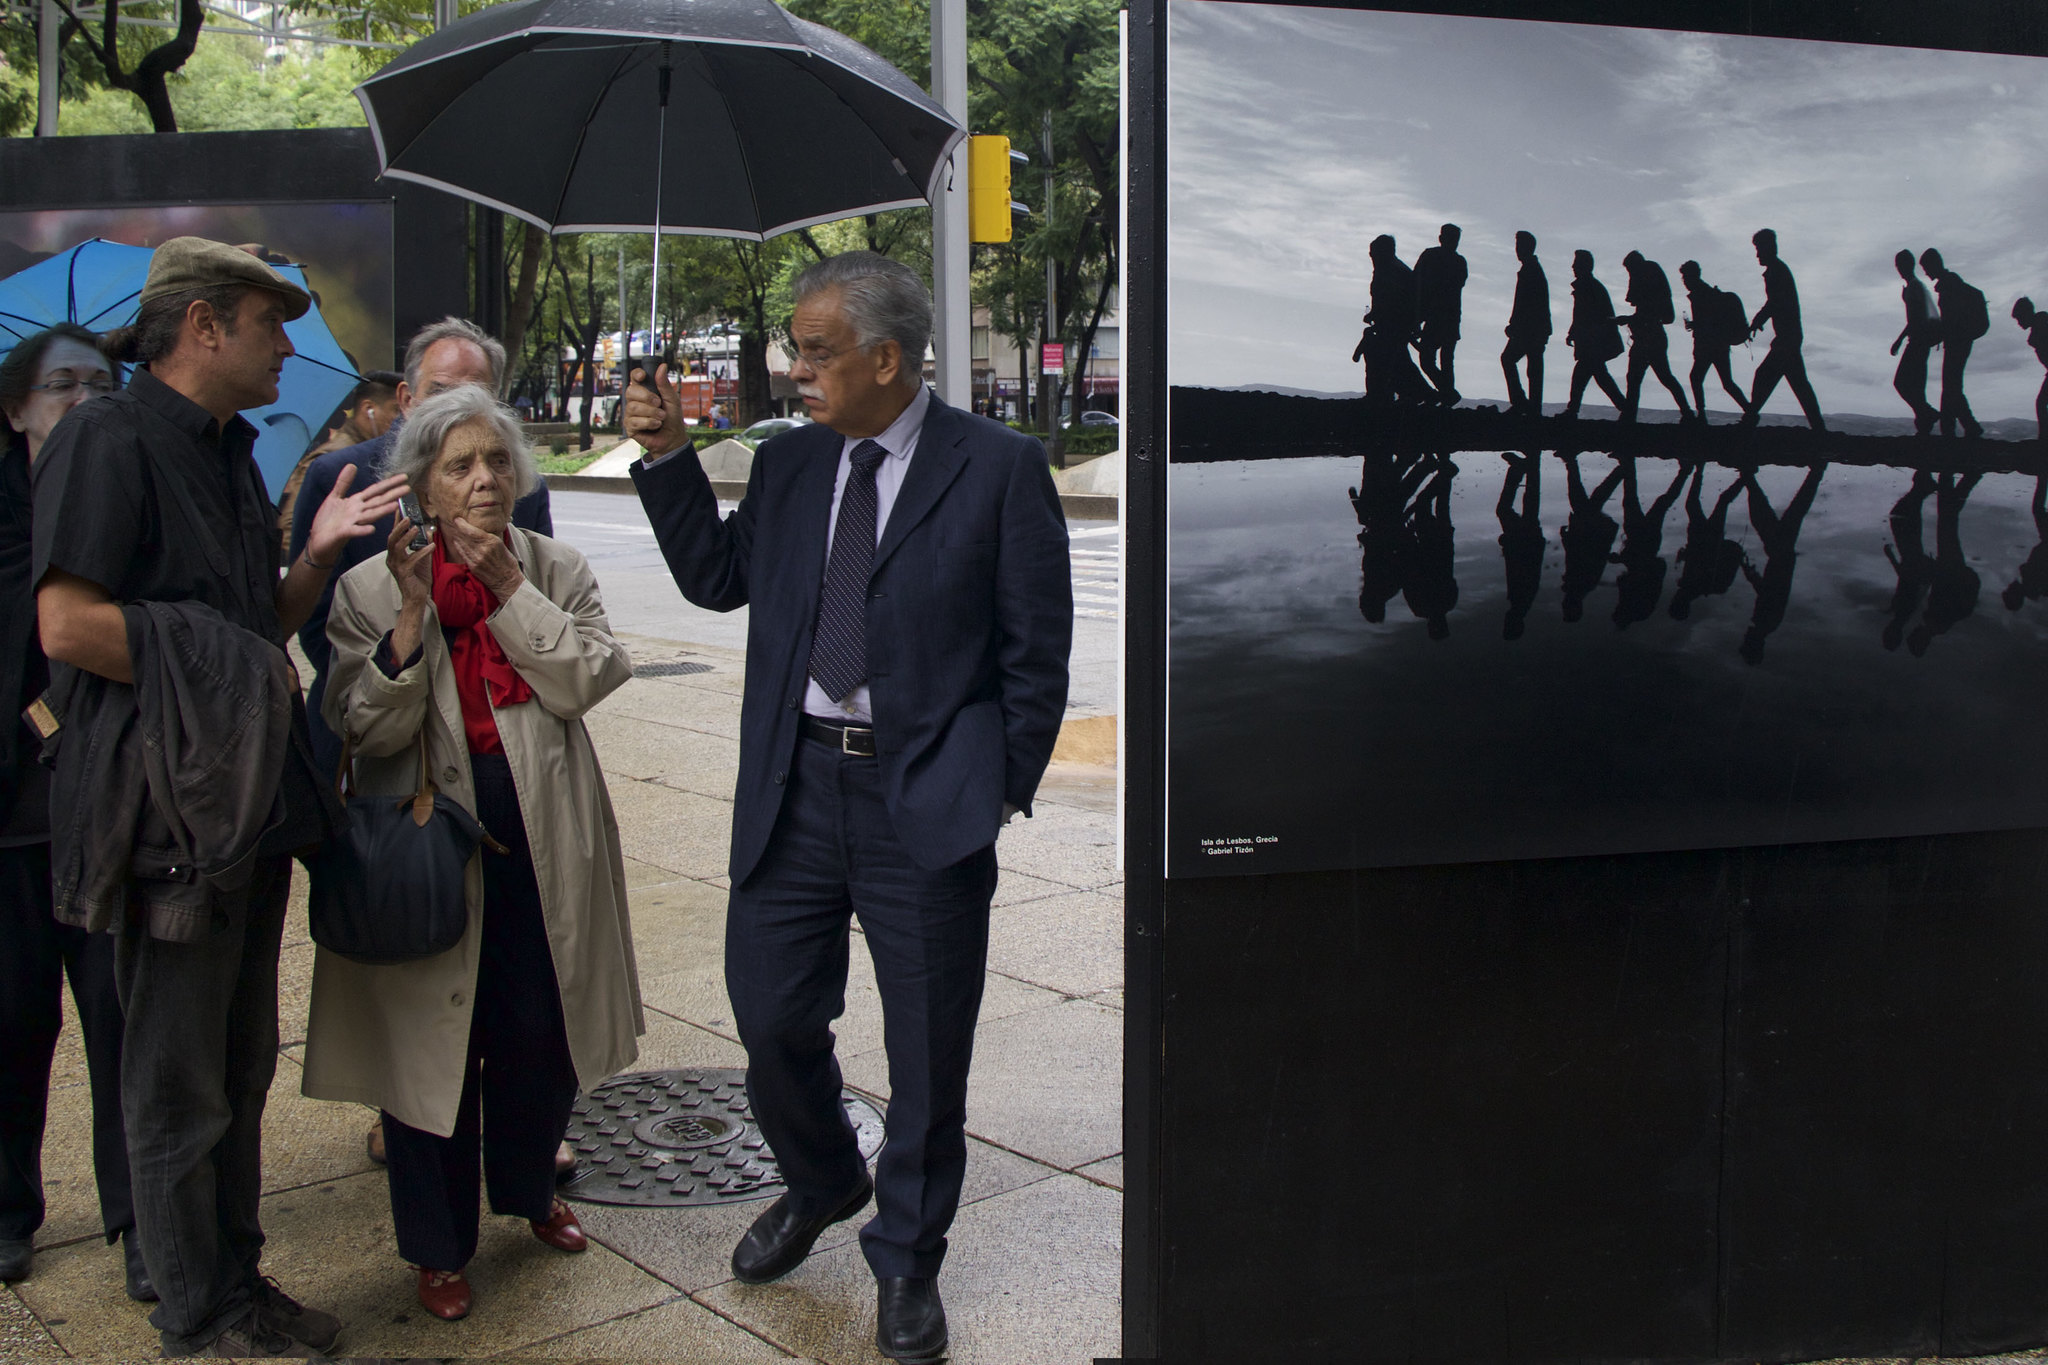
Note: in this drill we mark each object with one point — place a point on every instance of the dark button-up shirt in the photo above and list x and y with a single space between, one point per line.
144 493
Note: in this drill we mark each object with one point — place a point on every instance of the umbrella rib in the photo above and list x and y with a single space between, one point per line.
746 165
583 135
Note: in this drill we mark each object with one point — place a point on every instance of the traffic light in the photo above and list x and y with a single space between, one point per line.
988 188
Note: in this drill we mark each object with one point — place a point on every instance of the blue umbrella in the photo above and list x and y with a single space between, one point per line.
97 283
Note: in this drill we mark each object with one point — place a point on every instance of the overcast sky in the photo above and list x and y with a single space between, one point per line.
1297 135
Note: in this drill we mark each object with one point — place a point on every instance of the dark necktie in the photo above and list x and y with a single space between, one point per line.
839 645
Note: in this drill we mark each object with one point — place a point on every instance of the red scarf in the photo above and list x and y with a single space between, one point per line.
484 677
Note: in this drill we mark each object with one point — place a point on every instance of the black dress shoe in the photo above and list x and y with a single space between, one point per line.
140 1288
16 1255
780 1238
910 1322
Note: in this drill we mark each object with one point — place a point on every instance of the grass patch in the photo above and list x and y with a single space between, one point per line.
564 461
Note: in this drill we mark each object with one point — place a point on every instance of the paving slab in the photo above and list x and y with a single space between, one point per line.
1048 1084
681 1330
685 832
1014 887
639 874
673 1045
1064 844
678 926
1073 944
691 1248
21 1336
1032 1276
1109 1172
712 710
628 746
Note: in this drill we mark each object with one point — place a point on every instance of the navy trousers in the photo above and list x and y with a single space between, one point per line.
521 1080
834 854
36 952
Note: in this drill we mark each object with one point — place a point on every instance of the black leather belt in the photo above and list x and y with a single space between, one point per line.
855 740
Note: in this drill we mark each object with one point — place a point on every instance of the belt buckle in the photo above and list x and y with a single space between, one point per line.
846 742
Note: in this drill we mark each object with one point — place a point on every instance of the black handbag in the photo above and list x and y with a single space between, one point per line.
389 888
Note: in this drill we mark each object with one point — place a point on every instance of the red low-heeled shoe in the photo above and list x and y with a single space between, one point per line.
562 1231
444 1293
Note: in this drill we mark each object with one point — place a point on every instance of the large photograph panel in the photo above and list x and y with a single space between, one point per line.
1419 616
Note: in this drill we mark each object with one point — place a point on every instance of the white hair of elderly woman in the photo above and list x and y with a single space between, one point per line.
431 419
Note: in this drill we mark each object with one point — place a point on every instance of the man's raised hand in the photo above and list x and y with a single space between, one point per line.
343 516
653 412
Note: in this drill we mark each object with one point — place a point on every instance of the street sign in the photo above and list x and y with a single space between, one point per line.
1053 357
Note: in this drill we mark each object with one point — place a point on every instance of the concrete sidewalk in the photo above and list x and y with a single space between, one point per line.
1034 1269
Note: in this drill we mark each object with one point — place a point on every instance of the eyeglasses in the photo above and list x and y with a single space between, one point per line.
817 357
63 388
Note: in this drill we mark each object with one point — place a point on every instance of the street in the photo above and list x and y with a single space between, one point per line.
611 530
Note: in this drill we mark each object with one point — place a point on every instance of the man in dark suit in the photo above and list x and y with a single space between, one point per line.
444 354
911 609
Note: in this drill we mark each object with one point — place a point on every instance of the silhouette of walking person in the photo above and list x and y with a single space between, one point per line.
1430 583
1909 560
1390 376
1952 585
1522 541
1783 360
1640 584
1440 275
2031 583
1708 561
1528 329
1964 317
2035 325
1920 335
1717 324
1649 349
1587 535
1594 337
1779 533
1385 485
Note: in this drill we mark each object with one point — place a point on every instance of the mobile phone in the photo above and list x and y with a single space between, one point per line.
422 534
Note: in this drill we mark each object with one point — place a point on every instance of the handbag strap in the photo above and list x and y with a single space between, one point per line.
423 799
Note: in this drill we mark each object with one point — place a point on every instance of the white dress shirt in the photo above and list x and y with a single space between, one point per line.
900 440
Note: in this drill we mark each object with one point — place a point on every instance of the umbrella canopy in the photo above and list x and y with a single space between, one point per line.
559 112
97 284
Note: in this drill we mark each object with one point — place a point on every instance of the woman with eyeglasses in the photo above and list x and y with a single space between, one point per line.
44 377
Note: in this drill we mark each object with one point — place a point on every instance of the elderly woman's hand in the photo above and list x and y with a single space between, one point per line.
486 556
414 570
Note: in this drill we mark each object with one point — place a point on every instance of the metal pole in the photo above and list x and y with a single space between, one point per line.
444 13
1051 383
47 57
952 322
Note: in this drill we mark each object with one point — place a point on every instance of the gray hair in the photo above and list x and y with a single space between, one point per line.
453 329
431 419
883 300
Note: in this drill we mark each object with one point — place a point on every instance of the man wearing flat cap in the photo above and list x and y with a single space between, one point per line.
155 545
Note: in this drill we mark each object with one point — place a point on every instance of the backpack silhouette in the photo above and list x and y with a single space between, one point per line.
1964 312
1722 319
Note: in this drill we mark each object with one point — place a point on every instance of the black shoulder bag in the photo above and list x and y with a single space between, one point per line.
388 888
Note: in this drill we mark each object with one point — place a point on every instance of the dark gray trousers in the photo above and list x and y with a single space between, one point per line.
35 954
199 1054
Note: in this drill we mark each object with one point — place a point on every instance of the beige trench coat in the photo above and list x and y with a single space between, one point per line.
397 1037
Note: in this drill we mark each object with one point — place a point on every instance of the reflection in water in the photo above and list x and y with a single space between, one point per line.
1708 563
2032 581
1408 545
1779 533
1641 584
1522 541
1952 585
1587 535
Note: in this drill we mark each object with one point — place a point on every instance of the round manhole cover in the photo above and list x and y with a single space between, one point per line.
673 1138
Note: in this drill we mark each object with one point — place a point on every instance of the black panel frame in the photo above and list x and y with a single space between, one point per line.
1835 1049
429 247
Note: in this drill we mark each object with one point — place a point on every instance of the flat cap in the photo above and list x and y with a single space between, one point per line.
185 263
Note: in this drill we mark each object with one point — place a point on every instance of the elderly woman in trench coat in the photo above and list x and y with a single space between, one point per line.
494 641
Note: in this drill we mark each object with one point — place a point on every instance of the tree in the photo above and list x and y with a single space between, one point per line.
149 79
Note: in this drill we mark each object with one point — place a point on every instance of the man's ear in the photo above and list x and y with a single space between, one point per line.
401 398
203 320
889 362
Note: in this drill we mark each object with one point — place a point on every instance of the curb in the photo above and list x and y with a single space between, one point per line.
1077 506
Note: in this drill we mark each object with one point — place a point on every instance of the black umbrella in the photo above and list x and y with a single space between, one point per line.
569 114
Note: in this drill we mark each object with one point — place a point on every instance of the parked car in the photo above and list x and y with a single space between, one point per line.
773 426
1092 418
